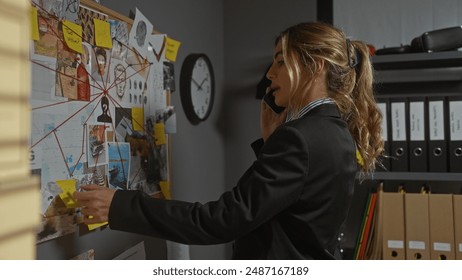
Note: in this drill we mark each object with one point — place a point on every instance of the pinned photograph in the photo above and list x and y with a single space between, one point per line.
140 29
119 35
52 7
100 64
96 148
168 117
86 18
119 82
156 47
71 10
105 115
169 76
47 45
66 69
118 154
83 73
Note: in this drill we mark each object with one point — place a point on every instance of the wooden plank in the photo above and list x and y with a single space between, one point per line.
111 13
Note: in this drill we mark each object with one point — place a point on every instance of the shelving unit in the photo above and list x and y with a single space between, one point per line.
407 75
416 176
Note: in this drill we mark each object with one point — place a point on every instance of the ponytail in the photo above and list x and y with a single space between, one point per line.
365 126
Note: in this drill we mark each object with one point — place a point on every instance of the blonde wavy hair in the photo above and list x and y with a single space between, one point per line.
349 81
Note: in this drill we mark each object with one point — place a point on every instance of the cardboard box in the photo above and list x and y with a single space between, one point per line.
441 227
417 226
457 200
393 226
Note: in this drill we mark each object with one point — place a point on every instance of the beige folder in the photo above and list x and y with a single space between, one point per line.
393 226
417 226
441 227
457 199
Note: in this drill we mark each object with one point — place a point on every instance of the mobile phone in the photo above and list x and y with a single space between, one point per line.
269 99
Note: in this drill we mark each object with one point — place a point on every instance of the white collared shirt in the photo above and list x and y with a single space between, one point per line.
310 106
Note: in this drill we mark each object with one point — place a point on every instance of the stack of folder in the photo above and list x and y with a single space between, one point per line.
368 238
422 134
411 226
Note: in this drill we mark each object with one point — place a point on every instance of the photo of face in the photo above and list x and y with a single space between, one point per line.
100 64
101 60
140 35
120 79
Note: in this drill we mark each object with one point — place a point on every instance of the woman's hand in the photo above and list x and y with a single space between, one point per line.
269 120
94 202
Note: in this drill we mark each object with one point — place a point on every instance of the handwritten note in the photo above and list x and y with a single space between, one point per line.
165 188
159 132
34 24
172 49
68 190
103 34
73 35
138 119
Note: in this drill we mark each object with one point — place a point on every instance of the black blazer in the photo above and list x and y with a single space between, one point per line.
289 204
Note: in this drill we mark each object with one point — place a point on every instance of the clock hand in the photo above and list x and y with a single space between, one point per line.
196 83
203 81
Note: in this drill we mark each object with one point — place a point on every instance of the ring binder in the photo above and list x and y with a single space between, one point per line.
399 143
455 134
383 105
437 141
418 157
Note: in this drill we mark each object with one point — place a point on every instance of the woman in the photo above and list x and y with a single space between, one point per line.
291 202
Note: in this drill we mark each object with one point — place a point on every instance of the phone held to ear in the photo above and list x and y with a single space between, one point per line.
269 99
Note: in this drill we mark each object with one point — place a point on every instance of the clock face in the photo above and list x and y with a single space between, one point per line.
197 87
201 88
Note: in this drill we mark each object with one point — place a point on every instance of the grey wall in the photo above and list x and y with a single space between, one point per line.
209 158
250 30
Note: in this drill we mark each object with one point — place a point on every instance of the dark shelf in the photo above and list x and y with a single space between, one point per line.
418 60
417 176
418 67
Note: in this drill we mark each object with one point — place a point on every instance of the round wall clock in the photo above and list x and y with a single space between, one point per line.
197 87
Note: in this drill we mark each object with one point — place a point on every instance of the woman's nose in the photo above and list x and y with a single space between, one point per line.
270 74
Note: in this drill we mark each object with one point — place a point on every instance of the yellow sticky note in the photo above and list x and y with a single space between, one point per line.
172 49
159 134
67 196
138 119
165 188
103 34
73 35
95 226
34 24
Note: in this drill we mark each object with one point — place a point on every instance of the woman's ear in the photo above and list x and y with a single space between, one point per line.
320 66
